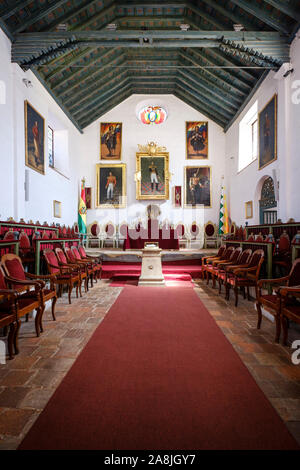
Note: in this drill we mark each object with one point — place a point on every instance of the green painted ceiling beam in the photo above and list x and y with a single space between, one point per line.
235 62
263 15
202 14
34 18
182 94
70 61
7 12
215 75
151 4
205 101
235 18
285 8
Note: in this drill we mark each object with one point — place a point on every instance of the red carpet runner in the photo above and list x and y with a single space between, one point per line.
158 374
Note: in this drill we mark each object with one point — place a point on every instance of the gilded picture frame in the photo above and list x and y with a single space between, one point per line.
111 185
110 140
152 176
267 133
34 138
197 186
249 209
196 140
57 209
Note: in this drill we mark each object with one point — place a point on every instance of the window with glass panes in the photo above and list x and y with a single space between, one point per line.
51 146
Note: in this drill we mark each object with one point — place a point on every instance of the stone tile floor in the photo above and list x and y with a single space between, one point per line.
28 381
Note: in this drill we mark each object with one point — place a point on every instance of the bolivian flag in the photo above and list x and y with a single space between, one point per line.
82 210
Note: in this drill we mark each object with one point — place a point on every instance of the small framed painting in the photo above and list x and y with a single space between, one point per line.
267 126
249 209
57 209
110 140
177 196
111 185
197 186
34 139
196 140
88 198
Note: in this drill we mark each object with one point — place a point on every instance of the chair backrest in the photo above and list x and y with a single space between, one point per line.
251 237
9 235
256 257
13 267
123 230
179 231
270 237
221 250
235 254
284 242
294 276
259 238
228 252
82 252
70 257
209 229
194 230
110 229
51 259
24 242
76 252
53 235
61 256
45 235
244 256
3 284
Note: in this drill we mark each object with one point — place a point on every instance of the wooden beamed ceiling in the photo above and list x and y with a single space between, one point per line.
89 68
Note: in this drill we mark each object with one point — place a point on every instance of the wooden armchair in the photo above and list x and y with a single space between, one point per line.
64 260
64 275
272 302
290 310
14 268
27 297
85 272
242 262
8 313
95 260
209 268
206 260
245 277
91 265
219 266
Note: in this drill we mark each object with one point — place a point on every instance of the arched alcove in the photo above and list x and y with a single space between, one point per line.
265 201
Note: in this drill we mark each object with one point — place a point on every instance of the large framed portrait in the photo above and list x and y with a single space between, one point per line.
111 185
34 139
110 140
196 140
197 186
267 125
152 180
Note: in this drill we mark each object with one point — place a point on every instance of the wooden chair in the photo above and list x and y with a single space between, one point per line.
210 235
245 277
290 310
91 264
242 262
64 260
8 314
209 268
272 302
64 275
95 260
86 273
14 268
218 266
27 297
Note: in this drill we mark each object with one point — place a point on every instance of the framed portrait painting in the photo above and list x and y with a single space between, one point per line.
110 140
153 176
197 186
111 185
56 209
34 139
267 125
196 140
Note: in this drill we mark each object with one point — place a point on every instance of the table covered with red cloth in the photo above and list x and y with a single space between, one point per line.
136 238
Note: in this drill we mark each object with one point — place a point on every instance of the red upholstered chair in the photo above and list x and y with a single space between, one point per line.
180 234
91 268
209 268
94 239
14 269
64 275
206 260
27 296
45 235
282 258
210 235
95 261
26 251
9 235
242 262
272 302
245 277
259 237
251 237
8 314
290 309
109 238
84 271
219 266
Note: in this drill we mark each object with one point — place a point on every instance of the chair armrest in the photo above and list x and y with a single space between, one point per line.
236 266
280 280
238 272
23 283
8 292
285 291
41 276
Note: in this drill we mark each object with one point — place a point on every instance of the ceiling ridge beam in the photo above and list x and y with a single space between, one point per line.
261 15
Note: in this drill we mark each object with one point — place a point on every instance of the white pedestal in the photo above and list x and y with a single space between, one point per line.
151 268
